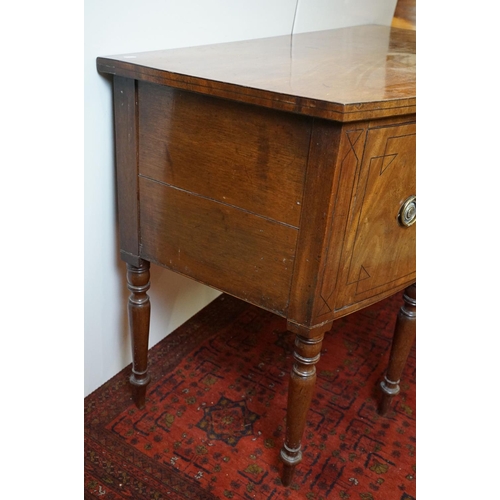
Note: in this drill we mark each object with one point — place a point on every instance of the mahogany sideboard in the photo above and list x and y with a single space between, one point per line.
278 170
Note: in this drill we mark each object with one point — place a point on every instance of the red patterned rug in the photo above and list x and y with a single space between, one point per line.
214 418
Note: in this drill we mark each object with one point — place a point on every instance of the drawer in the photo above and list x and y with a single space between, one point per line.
379 253
368 254
238 154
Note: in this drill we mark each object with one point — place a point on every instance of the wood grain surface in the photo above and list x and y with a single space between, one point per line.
344 74
245 156
228 248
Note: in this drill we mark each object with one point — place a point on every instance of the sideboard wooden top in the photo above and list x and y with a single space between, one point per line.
347 74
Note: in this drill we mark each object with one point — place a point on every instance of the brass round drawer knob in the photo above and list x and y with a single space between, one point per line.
408 211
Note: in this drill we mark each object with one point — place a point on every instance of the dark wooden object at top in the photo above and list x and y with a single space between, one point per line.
405 15
273 170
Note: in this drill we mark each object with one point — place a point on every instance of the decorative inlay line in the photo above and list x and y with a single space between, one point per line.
352 144
384 164
350 161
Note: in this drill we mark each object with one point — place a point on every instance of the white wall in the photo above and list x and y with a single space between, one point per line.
315 15
119 26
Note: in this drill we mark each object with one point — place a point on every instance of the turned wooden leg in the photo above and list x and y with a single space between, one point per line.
138 315
300 391
404 336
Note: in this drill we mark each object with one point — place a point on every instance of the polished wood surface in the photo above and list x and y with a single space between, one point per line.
275 171
345 74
